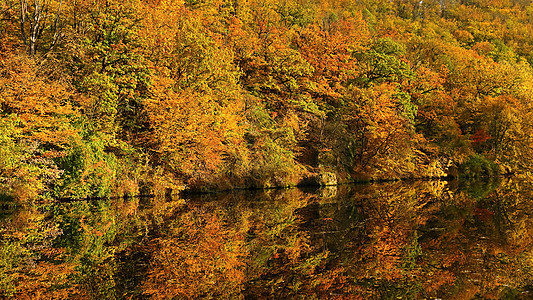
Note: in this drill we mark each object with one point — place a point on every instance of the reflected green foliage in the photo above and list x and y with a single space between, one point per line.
478 188
478 166
381 241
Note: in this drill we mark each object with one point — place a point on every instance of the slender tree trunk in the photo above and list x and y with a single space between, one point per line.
33 23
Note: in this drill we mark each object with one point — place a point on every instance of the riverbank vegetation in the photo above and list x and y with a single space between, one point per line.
107 97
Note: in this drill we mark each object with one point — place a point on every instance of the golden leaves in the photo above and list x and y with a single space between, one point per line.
42 106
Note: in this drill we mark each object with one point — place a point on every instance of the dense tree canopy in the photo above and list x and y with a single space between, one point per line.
140 95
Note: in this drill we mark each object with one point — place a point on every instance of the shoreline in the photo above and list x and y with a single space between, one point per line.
194 192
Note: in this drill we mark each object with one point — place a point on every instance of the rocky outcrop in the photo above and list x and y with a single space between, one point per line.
320 179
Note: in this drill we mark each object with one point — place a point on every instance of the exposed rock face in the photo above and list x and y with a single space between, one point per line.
322 179
327 178
436 169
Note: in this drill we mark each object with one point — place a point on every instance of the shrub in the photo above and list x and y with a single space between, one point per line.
478 166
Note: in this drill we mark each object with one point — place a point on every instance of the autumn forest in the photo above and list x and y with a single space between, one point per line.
109 98
146 147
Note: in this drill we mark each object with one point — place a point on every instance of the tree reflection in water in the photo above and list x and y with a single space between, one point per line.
381 241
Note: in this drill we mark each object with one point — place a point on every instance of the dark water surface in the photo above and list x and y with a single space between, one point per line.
416 240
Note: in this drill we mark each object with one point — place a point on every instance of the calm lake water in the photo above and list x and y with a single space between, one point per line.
403 240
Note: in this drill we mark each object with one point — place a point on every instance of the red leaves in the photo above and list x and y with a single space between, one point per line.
480 136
